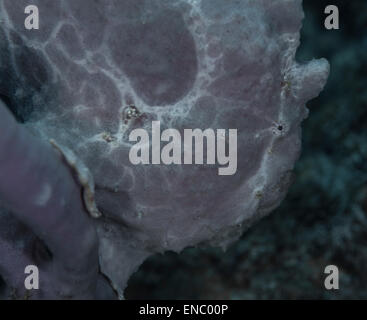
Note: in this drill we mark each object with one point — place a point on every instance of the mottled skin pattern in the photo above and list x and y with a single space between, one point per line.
188 63
51 214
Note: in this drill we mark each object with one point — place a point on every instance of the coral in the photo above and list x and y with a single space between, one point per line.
189 64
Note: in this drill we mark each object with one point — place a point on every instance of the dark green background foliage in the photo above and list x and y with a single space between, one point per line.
324 217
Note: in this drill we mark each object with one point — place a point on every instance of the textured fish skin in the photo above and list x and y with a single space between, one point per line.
187 63
40 191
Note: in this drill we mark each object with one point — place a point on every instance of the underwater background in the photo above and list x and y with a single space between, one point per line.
323 220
